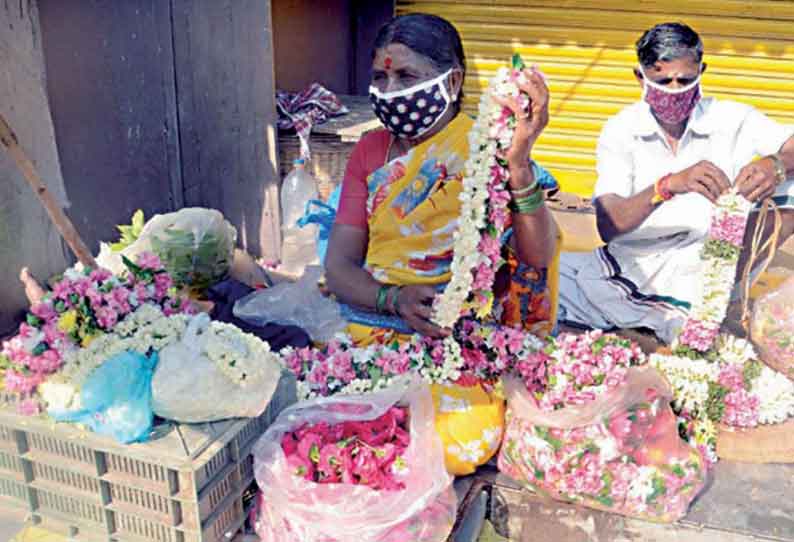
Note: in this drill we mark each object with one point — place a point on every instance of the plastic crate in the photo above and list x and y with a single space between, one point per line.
185 485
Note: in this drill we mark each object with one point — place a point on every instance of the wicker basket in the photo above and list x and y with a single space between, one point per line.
328 158
762 444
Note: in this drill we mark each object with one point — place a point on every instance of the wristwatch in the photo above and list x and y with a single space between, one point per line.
780 167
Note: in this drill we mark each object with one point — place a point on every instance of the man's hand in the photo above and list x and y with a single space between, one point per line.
703 178
757 180
414 305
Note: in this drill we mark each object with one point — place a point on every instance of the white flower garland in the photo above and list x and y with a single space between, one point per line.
491 134
145 329
242 357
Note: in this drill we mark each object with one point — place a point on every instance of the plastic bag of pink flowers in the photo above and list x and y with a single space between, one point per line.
619 452
355 467
772 328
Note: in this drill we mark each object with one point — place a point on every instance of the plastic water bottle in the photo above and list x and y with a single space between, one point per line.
299 244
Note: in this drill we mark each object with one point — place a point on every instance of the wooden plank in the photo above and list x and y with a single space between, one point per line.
224 73
27 238
351 126
110 83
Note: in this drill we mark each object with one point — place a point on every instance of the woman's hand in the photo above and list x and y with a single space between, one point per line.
414 305
531 120
757 180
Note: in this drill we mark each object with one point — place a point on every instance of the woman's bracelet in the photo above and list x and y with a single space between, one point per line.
381 298
527 204
525 191
393 301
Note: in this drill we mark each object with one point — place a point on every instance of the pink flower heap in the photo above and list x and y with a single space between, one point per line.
362 452
81 306
574 369
624 457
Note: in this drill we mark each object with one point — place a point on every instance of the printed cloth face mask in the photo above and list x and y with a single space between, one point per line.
412 111
671 105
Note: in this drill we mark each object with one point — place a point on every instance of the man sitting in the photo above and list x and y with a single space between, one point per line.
662 163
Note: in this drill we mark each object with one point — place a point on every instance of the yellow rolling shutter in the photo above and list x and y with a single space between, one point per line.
586 48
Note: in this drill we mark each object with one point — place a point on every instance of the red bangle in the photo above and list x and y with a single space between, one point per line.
660 191
664 191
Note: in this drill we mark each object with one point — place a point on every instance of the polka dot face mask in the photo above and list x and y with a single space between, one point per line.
411 112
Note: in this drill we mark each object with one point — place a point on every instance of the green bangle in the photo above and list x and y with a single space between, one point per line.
392 299
527 190
528 204
380 300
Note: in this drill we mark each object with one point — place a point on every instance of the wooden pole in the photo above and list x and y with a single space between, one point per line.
8 139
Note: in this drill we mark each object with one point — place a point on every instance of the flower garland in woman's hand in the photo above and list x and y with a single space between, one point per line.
512 113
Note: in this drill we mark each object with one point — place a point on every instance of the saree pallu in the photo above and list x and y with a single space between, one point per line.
413 211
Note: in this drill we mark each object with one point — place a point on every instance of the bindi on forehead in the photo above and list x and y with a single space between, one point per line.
387 62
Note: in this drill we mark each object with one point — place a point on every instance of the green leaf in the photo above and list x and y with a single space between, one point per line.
751 371
517 62
314 453
658 489
40 349
137 222
33 320
539 474
375 374
606 501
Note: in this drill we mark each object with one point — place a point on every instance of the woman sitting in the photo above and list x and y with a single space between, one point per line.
392 244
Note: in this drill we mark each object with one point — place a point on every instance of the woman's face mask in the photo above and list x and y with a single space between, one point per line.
672 106
412 111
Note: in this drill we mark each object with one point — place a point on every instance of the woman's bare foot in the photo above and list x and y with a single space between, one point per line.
33 289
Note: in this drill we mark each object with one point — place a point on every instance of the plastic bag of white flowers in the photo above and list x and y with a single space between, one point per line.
216 371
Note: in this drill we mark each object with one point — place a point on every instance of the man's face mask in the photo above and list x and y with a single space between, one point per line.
671 105
413 111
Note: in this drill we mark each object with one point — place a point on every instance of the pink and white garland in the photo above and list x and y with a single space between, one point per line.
484 215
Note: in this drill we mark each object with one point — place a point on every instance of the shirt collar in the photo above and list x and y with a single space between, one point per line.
701 122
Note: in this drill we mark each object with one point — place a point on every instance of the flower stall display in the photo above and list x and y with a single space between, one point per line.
717 379
595 428
772 328
82 307
484 215
213 371
355 467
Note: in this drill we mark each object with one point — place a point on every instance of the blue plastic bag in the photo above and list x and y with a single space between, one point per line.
324 217
116 399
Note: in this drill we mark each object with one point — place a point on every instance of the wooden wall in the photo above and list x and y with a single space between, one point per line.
26 236
155 104
326 41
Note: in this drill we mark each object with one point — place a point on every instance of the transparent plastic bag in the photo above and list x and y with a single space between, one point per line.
294 303
189 387
772 328
116 399
620 452
196 246
292 509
